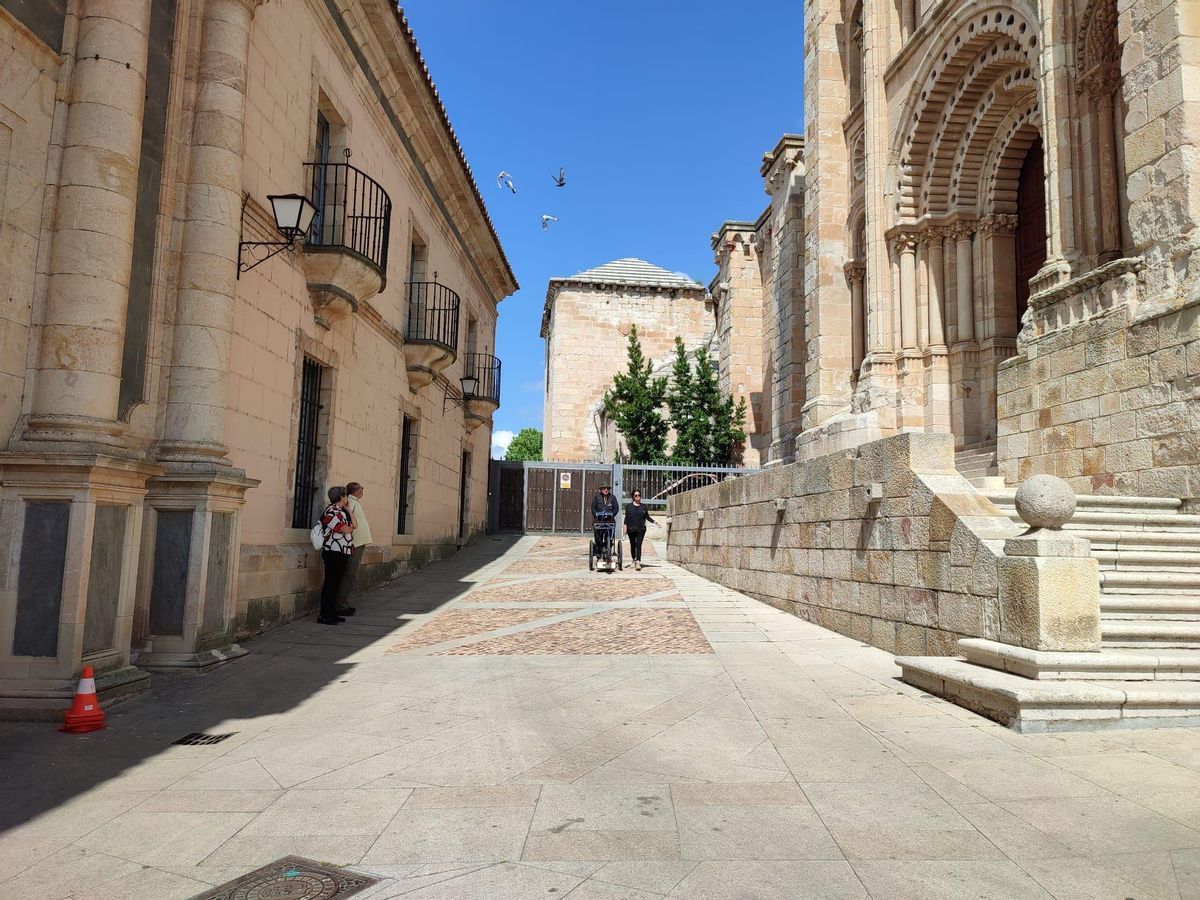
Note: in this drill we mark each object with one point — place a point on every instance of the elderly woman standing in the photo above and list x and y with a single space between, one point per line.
338 528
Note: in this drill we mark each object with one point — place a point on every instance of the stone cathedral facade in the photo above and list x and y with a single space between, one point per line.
978 283
989 230
177 390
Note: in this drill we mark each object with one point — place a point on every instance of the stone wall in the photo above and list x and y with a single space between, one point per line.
1103 396
910 573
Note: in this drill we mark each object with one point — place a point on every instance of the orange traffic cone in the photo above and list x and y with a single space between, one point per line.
85 713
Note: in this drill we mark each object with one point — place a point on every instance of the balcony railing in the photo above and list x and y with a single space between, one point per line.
354 212
486 368
432 315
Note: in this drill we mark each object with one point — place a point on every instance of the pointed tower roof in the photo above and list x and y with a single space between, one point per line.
635 272
629 272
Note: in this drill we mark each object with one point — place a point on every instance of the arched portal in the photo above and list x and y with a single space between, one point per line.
970 157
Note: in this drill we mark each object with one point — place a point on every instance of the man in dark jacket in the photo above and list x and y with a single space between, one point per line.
604 511
605 502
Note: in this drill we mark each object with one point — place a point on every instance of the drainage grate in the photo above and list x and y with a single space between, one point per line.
291 878
200 738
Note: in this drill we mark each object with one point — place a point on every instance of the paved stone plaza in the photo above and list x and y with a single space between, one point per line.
506 724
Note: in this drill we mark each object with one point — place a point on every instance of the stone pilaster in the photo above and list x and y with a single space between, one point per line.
195 421
190 555
78 378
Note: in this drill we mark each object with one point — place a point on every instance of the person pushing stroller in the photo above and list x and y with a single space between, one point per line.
605 508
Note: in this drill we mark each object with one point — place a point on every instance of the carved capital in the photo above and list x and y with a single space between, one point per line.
856 271
906 241
998 223
961 231
1101 82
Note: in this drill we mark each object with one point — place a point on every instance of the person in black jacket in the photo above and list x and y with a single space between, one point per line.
604 511
636 517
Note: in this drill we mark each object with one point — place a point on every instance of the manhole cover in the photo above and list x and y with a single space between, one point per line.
291 878
198 737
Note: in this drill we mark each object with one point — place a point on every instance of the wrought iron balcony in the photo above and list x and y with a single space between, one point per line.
481 404
432 330
346 250
486 368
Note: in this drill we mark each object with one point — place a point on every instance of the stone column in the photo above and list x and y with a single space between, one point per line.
855 273
195 422
78 381
966 284
937 292
907 246
1100 86
908 17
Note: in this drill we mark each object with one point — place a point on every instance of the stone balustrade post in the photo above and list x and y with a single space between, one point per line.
1049 583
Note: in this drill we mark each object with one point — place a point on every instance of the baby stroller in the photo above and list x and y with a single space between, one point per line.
601 546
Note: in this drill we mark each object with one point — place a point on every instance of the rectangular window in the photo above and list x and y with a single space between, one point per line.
304 494
408 465
418 274
321 181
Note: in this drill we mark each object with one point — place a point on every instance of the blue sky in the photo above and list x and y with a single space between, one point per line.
660 111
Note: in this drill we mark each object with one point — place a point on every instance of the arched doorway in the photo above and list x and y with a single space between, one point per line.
1030 237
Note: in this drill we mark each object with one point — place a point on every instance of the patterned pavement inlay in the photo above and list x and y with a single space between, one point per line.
460 623
615 632
593 589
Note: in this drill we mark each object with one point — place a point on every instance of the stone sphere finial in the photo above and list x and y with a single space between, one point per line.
1045 501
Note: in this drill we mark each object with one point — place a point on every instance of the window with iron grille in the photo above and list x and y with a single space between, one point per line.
304 491
408 464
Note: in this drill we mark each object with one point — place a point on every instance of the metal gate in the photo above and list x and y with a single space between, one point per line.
556 497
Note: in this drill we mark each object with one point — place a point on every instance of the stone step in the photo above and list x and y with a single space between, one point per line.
1107 664
1113 539
1150 605
1032 706
1116 502
1140 560
1143 581
1150 632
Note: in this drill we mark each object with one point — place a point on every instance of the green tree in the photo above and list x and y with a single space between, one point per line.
526 446
709 428
686 420
634 403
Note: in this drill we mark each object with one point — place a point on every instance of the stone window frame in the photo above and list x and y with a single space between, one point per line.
311 348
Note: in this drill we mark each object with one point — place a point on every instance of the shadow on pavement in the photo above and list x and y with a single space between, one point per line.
42 769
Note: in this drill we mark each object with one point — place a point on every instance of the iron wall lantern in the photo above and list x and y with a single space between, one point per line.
293 217
469 385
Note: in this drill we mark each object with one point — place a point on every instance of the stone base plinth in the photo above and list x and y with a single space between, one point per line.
183 663
45 700
1032 706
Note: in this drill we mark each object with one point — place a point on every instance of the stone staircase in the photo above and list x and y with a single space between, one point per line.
978 466
1149 555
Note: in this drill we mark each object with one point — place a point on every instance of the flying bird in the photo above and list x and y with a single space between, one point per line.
561 180
504 180
546 220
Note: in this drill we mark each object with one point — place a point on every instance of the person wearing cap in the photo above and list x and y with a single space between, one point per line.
605 502
604 508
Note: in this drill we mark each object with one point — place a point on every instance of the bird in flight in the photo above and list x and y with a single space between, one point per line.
504 180
561 180
546 220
